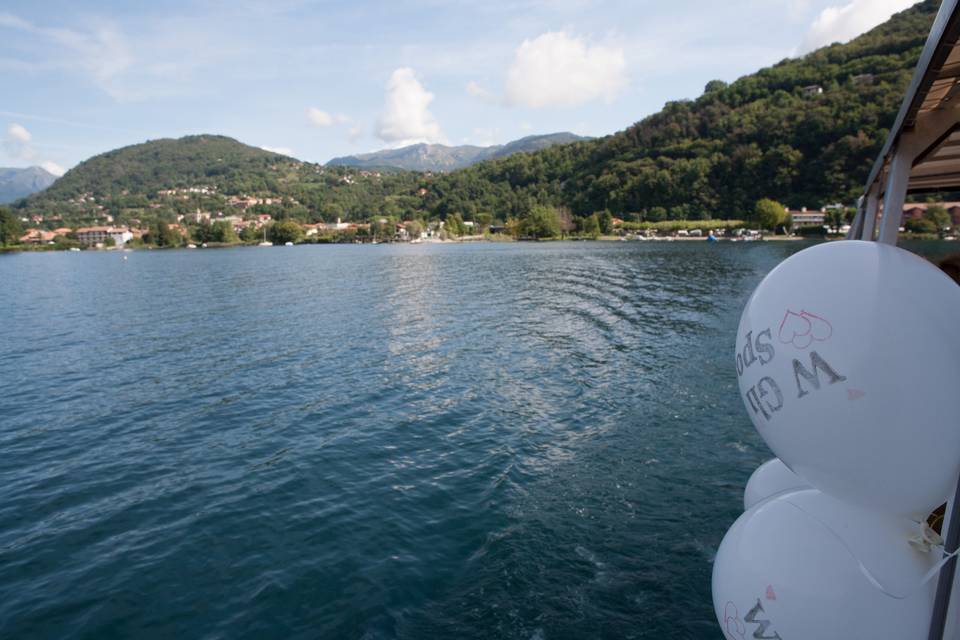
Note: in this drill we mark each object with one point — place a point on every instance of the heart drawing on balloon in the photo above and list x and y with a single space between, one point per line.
733 625
802 329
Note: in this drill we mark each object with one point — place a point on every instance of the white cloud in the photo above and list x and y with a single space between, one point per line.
101 52
354 134
13 22
320 118
284 151
406 118
18 133
16 143
475 90
73 123
53 168
843 22
127 64
557 69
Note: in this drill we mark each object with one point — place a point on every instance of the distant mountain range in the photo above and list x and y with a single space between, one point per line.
19 183
439 157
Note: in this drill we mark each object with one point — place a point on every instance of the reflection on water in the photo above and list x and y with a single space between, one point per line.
517 441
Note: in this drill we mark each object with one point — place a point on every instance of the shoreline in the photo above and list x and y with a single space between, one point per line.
431 241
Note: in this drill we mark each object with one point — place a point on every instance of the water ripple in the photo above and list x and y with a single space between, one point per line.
513 441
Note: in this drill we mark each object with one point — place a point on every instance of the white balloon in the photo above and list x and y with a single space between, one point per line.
848 363
770 479
807 566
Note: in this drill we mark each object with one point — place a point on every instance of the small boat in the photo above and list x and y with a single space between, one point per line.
74 249
191 246
288 244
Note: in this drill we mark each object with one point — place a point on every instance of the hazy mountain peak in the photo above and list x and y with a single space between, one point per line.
16 183
440 157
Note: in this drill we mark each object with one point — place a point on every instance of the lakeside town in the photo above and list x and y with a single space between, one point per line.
204 228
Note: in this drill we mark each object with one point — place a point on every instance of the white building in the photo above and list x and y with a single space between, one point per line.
804 218
92 236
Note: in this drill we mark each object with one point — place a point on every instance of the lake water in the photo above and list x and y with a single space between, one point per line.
533 441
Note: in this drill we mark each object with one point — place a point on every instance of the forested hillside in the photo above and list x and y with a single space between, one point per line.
171 164
161 179
765 135
803 132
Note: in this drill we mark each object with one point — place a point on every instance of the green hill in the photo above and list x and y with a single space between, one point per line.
803 131
161 179
168 164
764 135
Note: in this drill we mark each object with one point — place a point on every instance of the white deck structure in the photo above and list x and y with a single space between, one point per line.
922 152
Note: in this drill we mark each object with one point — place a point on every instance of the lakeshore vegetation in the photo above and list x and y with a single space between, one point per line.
800 133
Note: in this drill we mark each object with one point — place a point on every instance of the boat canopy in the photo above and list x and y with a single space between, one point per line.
922 151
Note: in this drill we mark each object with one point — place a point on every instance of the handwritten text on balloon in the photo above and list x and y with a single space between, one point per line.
766 396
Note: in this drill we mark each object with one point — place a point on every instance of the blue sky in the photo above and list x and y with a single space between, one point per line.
321 79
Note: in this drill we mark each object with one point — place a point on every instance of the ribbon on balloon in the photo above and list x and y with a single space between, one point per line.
927 577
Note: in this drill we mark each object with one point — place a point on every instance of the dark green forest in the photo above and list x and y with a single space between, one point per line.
714 157
803 132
